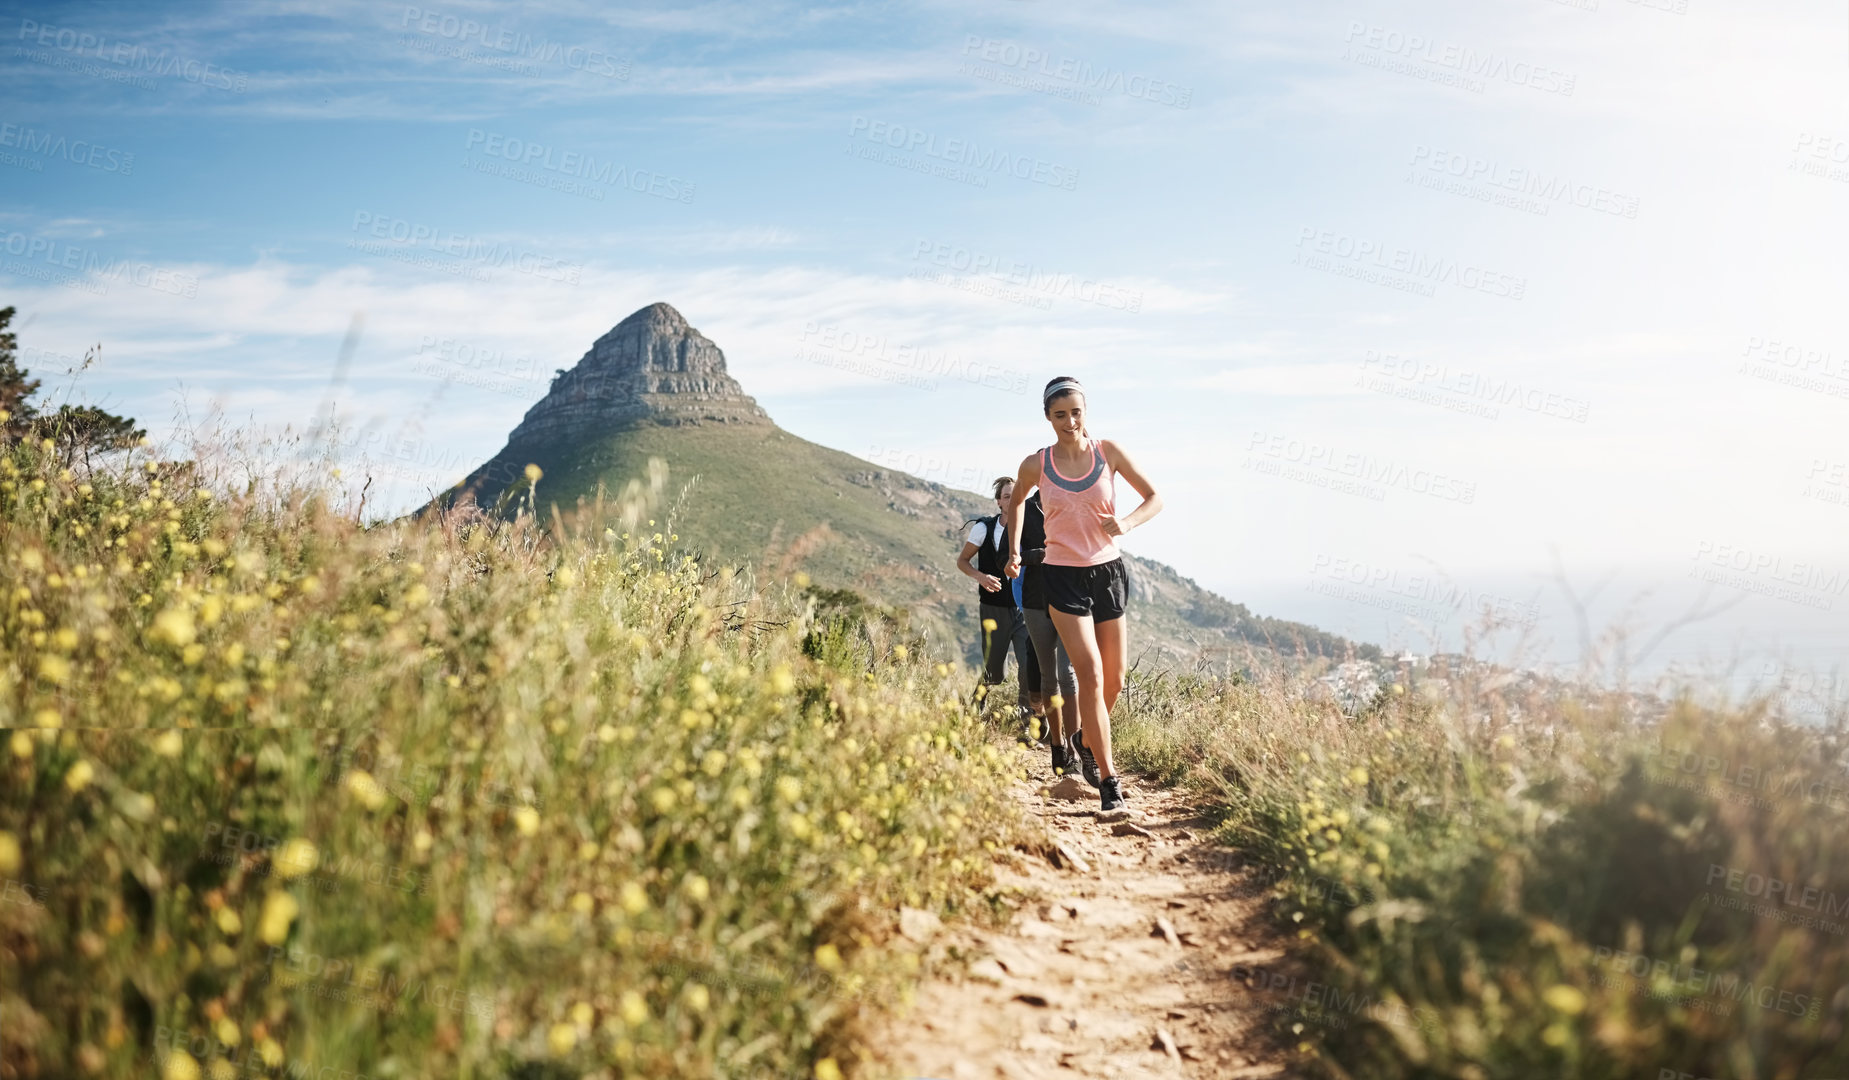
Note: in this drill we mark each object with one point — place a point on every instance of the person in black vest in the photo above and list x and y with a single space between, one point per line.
1058 696
1000 621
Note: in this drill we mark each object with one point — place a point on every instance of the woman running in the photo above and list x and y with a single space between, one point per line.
1086 584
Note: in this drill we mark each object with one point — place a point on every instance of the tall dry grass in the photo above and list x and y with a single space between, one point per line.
1497 882
454 797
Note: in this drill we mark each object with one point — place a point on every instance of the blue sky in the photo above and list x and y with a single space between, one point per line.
1407 308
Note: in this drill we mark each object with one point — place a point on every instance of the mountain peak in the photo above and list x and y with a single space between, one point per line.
659 313
651 366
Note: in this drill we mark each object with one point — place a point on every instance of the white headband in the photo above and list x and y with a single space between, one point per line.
1059 388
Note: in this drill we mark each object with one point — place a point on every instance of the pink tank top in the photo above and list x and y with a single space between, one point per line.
1075 509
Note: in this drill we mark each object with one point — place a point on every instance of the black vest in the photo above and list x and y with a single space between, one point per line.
1033 535
990 560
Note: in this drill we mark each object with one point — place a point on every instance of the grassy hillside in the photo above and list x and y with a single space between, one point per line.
766 497
285 796
1493 883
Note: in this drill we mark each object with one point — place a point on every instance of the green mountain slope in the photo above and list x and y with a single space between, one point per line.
758 495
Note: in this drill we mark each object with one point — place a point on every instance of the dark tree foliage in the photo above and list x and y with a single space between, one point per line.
83 429
15 387
75 430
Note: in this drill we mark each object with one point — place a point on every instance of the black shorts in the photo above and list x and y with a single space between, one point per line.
1099 591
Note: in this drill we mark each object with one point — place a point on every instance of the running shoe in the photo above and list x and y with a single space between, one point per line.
1088 765
1110 794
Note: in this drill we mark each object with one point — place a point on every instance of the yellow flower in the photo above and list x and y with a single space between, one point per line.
227 1031
634 1009
988 624
828 958
54 668
47 718
582 1014
582 903
279 911
663 799
80 776
296 857
1566 999
633 899
789 788
696 888
174 625
714 762
367 790
228 921
1357 775
588 850
900 652
9 853
21 744
179 1066
781 681
168 744
271 1052
801 579
697 997
826 1069
533 473
562 1038
526 819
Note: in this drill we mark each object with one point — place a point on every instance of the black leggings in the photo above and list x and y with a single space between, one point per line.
1051 653
1009 631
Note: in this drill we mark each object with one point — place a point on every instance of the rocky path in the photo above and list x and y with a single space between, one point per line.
1130 959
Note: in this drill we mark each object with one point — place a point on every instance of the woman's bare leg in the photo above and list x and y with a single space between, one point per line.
1076 633
1112 644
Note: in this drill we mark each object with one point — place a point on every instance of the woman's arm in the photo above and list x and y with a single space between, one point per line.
1121 464
1025 481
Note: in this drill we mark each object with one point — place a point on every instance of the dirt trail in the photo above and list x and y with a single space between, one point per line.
1087 980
